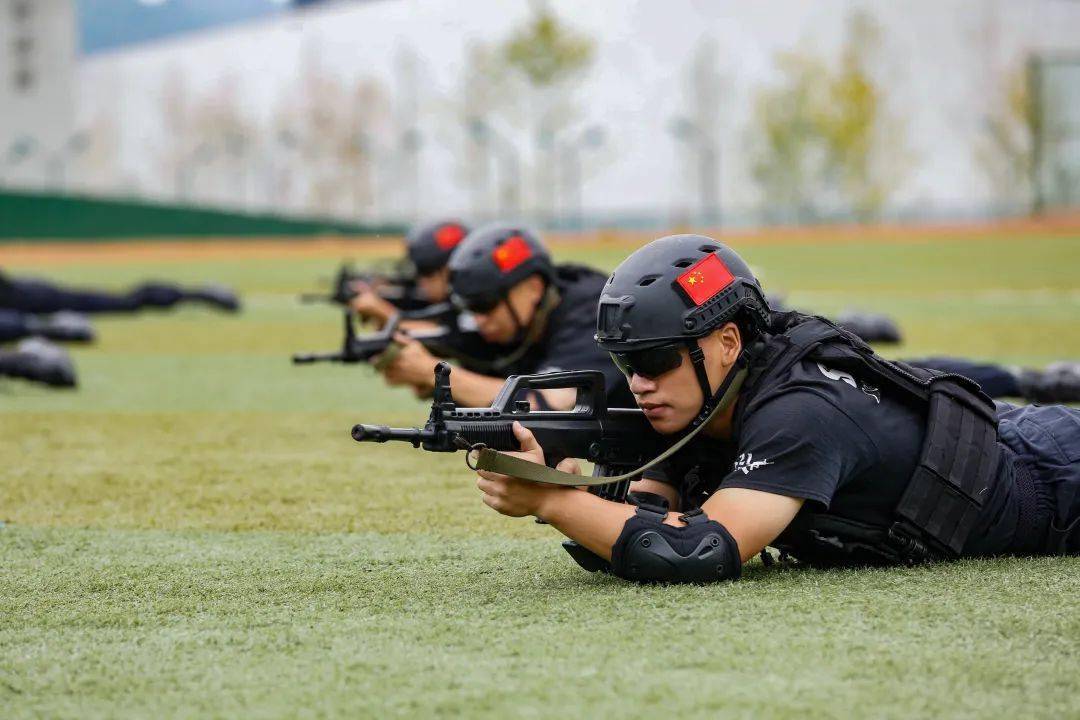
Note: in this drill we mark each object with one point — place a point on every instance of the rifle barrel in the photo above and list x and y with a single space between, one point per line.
308 298
382 433
308 358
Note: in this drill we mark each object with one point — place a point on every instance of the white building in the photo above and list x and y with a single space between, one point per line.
38 56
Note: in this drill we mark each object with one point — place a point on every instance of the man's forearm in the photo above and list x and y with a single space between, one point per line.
476 390
419 325
588 519
472 389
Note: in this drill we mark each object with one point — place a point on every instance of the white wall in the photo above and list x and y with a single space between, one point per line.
943 62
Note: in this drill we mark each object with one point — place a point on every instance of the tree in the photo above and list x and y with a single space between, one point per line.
787 163
521 87
550 57
698 129
825 144
175 116
485 92
1007 150
340 130
849 121
222 137
546 51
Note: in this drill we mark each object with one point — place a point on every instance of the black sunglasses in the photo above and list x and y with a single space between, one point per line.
650 363
425 272
480 305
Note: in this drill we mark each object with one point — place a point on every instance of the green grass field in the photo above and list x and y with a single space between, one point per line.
193 533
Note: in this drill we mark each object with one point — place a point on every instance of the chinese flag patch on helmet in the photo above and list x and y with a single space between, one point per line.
705 278
447 237
511 253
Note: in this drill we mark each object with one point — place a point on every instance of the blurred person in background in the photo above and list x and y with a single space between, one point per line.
63 326
40 297
1059 382
428 248
871 327
37 312
536 315
39 361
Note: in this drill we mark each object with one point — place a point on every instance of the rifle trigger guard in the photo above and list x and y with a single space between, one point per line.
468 456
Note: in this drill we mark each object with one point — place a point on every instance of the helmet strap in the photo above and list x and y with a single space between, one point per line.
697 359
495 461
541 310
528 337
711 400
519 327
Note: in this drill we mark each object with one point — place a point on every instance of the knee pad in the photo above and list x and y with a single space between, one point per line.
648 550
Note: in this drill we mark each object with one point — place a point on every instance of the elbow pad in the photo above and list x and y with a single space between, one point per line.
592 562
648 550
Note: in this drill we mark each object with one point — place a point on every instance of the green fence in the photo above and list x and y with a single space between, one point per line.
26 215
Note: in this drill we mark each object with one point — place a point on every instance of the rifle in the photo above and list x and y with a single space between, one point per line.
615 440
444 339
397 286
619 442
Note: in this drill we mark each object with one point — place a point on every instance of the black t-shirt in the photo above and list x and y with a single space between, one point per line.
841 444
568 341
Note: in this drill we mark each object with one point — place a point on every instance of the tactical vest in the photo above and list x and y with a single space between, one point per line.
957 466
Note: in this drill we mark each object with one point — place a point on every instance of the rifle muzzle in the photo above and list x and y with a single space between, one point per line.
308 358
382 433
308 298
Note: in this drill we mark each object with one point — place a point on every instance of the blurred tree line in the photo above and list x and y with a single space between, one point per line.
823 141
1007 150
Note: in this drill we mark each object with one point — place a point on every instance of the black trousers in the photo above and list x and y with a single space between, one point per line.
995 380
41 297
13 325
1047 439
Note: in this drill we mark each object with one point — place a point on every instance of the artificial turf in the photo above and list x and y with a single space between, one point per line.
193 533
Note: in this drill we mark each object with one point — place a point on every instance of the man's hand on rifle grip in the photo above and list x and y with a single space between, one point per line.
516 497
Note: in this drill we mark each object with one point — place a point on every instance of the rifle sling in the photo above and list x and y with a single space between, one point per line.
387 357
500 462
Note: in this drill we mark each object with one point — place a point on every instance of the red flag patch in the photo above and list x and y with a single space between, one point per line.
448 236
511 253
705 278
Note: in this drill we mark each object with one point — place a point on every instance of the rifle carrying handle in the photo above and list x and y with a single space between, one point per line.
590 383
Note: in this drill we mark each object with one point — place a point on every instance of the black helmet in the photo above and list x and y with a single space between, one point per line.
493 259
429 246
679 287
667 295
